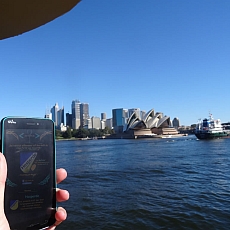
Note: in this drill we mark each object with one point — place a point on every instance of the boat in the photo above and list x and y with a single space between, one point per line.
210 129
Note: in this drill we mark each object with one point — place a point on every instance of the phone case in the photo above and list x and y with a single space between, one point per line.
30 192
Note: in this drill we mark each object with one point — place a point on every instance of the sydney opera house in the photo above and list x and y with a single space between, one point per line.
150 125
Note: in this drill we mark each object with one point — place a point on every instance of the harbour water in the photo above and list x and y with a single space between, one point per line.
180 183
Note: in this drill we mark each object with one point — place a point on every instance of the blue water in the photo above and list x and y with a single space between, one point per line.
181 183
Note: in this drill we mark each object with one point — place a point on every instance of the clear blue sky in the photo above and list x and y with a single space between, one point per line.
173 56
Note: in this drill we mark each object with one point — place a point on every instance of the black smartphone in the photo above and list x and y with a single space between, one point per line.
30 193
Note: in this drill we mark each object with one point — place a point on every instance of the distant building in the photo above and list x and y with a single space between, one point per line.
176 123
137 111
75 107
60 117
80 114
142 114
84 113
96 122
119 119
152 123
57 115
126 114
109 123
88 124
76 123
103 124
48 114
69 120
54 111
103 116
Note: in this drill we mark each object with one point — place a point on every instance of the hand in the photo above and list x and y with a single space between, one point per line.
3 169
62 195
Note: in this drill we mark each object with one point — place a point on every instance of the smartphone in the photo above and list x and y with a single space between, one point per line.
30 192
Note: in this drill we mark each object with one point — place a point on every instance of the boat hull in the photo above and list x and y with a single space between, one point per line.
210 135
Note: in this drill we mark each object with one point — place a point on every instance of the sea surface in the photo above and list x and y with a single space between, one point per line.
180 183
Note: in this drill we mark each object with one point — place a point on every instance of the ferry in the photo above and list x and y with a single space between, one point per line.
210 129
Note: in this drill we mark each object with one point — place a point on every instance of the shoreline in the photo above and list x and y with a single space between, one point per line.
125 137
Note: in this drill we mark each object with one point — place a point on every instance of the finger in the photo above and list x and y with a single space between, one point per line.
61 175
62 195
60 216
3 172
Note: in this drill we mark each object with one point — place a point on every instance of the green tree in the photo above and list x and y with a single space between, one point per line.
58 133
67 133
96 133
82 133
74 132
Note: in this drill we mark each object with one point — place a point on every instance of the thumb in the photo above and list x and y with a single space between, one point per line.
3 172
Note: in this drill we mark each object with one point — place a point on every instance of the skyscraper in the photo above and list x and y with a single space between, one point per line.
68 119
75 114
131 111
54 111
60 117
84 113
119 119
75 109
103 116
109 123
96 122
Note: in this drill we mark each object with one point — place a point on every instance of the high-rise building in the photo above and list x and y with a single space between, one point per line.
88 124
103 124
75 107
68 119
109 123
80 114
96 122
60 117
119 119
54 111
84 113
76 123
131 111
103 116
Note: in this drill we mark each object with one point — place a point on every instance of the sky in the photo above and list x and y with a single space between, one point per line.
172 56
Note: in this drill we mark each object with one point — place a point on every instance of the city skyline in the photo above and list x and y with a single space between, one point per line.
80 117
168 55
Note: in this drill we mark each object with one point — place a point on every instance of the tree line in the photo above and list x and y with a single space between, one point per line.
83 133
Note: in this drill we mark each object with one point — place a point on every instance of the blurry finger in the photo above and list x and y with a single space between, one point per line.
61 174
62 195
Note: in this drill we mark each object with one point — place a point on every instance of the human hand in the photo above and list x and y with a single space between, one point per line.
3 169
62 195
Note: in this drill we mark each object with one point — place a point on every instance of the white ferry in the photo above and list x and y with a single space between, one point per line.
209 129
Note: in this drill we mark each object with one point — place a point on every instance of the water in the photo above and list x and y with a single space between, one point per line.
178 183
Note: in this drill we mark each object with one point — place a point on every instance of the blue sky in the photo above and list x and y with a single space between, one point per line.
172 56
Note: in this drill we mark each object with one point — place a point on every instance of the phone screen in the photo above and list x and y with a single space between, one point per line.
30 193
